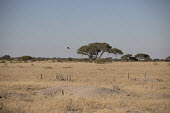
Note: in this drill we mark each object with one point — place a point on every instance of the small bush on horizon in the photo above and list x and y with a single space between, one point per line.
25 58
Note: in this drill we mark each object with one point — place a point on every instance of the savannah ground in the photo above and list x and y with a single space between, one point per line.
145 90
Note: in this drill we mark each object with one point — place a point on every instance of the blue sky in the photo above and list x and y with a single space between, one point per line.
44 28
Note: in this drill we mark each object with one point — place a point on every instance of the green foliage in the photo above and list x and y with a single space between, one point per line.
142 56
132 59
96 50
126 57
101 48
167 59
6 57
90 50
116 51
25 58
155 60
70 59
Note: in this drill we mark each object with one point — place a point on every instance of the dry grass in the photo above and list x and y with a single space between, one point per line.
155 63
168 64
19 83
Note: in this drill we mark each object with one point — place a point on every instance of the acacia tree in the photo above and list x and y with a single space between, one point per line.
142 56
96 50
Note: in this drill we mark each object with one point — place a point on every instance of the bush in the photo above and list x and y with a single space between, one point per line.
6 57
25 58
167 59
70 59
155 60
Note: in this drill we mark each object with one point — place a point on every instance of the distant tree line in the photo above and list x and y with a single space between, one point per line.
94 51
125 58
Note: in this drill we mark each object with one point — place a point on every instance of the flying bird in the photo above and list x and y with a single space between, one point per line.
68 47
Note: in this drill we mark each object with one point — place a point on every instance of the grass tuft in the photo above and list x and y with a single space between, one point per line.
47 67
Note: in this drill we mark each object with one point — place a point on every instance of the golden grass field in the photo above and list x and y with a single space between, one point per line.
92 88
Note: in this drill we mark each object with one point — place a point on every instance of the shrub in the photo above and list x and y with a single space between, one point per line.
167 59
155 60
25 58
6 57
70 59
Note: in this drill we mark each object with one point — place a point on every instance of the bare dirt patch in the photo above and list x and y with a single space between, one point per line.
79 91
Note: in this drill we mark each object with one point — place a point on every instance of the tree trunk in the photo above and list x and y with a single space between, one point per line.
90 58
101 54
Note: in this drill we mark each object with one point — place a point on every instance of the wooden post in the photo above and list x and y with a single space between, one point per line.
67 78
41 76
56 76
128 75
62 92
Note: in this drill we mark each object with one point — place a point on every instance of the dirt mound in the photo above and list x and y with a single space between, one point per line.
79 91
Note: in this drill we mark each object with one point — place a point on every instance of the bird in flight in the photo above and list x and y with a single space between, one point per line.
68 47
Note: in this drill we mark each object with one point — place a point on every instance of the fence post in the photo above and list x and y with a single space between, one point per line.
128 75
56 76
67 78
62 92
41 76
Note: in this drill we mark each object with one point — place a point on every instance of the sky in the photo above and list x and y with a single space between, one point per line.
45 28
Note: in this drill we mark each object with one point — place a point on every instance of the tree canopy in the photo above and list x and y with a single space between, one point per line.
25 58
96 50
102 48
6 57
116 51
167 58
126 57
142 56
